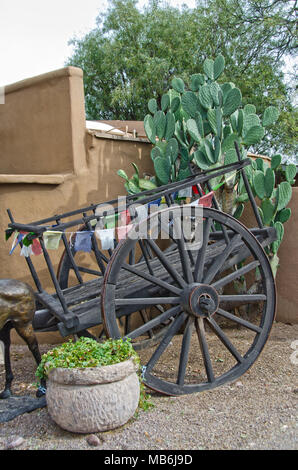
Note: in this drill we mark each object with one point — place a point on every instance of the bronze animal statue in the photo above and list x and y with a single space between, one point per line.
17 307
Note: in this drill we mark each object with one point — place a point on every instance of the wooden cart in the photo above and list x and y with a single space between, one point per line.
184 306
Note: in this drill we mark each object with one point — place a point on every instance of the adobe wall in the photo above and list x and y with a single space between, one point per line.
37 124
34 201
287 272
50 163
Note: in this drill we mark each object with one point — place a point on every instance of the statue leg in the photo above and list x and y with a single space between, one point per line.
5 337
28 335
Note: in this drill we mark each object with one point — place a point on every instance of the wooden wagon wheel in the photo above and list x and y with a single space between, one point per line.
66 275
208 343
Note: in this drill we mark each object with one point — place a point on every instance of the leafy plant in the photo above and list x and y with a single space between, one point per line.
87 352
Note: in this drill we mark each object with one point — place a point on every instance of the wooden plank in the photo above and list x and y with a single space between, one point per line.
70 319
83 300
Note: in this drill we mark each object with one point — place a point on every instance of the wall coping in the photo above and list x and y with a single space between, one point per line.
104 135
54 179
45 77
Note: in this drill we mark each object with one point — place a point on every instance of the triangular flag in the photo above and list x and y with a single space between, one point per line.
206 201
18 237
110 221
125 218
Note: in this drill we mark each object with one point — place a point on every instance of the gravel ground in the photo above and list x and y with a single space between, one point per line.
257 412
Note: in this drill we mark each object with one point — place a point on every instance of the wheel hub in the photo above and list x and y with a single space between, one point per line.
201 300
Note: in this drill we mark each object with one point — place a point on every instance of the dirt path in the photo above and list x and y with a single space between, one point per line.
258 411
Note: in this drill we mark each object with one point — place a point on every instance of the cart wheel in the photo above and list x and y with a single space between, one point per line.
220 298
89 269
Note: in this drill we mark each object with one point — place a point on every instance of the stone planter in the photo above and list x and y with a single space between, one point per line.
93 399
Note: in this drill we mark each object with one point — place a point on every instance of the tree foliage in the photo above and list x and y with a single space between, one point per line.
133 54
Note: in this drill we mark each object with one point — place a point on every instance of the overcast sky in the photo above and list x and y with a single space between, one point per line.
34 33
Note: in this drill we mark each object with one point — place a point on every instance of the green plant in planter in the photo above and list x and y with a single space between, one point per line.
87 352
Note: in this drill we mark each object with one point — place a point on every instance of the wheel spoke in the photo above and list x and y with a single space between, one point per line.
189 253
231 277
154 322
145 319
200 261
163 259
204 349
146 256
184 256
242 298
215 267
146 301
127 324
184 351
239 320
155 280
82 269
168 229
224 339
174 328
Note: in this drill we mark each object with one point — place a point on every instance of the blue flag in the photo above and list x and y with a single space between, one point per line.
83 241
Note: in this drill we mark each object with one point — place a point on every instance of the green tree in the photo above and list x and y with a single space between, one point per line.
132 55
255 36
128 58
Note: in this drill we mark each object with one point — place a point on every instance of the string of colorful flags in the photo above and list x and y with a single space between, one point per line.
104 229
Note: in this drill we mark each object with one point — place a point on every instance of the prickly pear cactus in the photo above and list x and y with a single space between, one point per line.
272 185
197 123
205 117
135 184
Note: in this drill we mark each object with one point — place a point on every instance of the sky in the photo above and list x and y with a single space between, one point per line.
34 34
